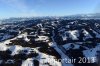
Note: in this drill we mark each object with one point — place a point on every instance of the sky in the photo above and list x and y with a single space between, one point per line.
29 8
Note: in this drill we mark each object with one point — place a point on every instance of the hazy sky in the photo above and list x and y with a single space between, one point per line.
19 8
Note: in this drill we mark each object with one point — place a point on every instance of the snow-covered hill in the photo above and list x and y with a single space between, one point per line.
50 42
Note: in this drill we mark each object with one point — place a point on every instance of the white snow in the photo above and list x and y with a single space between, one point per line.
91 52
74 34
28 62
63 56
41 38
3 47
9 61
44 58
6 36
15 49
64 37
68 46
97 35
26 39
87 35
22 35
1 61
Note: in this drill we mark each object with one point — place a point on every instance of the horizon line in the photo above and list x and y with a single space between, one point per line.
46 16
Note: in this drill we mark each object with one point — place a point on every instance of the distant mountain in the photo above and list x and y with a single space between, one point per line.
85 16
77 16
12 20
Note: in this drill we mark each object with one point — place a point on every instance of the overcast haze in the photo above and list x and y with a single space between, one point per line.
28 8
